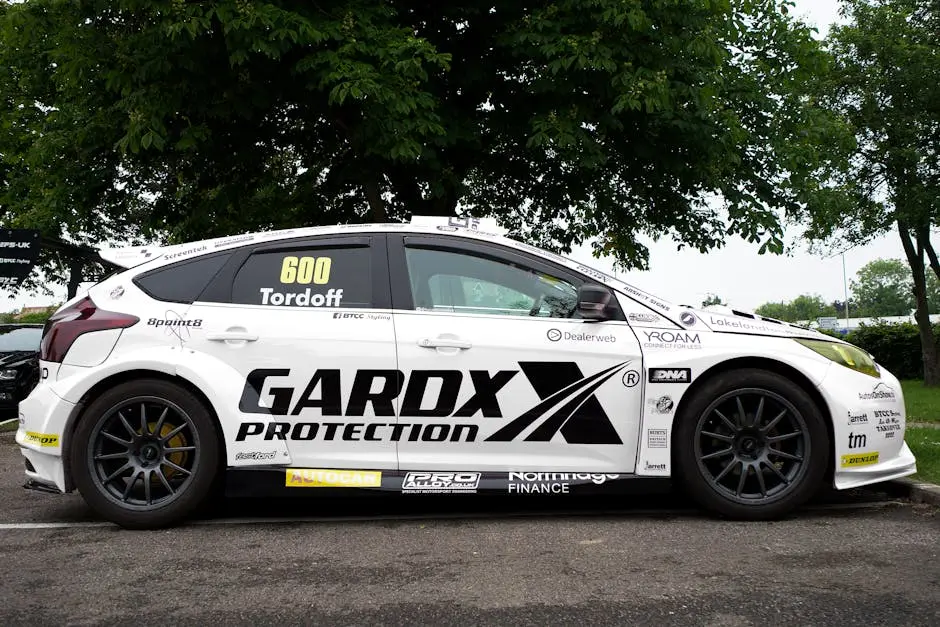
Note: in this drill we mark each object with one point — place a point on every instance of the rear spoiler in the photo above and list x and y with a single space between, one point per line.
131 256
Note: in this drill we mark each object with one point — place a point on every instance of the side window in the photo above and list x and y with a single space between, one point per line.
313 277
181 282
463 283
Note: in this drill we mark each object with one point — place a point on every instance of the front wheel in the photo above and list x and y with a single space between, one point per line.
145 454
751 444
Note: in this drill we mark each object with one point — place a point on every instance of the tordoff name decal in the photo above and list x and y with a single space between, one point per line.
567 406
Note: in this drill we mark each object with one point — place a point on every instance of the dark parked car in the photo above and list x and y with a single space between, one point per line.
19 363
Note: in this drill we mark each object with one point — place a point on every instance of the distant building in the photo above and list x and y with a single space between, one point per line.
839 324
25 311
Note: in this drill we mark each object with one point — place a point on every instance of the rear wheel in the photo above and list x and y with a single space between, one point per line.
751 444
145 454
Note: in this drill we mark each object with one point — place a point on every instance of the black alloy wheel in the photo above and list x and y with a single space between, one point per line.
750 444
146 454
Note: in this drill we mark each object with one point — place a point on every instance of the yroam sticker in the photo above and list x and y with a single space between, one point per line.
42 439
861 459
321 478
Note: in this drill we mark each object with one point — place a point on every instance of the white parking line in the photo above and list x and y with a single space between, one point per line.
53 525
288 520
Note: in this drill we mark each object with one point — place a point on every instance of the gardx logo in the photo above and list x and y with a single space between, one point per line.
567 407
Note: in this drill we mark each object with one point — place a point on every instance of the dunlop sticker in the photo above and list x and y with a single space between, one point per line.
42 439
859 459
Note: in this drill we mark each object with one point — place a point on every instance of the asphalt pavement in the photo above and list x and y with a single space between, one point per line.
849 558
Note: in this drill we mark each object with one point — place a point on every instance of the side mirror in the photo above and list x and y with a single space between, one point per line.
593 302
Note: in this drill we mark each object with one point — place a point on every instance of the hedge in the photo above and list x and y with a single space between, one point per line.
895 346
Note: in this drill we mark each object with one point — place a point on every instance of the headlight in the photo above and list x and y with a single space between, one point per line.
8 375
845 354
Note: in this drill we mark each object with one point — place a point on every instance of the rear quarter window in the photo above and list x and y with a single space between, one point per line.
182 282
329 276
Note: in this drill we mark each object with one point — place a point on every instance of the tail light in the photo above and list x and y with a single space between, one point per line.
83 316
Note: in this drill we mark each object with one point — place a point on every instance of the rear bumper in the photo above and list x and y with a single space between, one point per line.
43 417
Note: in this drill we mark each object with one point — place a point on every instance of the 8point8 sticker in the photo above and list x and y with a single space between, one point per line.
306 270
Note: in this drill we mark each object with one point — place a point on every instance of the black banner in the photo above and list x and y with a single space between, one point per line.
19 252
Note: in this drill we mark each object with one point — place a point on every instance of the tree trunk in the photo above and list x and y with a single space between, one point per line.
75 277
376 204
928 342
932 255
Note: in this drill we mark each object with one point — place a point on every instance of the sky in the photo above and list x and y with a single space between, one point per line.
735 272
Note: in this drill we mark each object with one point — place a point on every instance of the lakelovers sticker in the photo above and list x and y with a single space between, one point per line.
323 478
42 439
859 459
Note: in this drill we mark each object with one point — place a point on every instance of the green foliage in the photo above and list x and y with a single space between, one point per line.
803 307
140 119
895 346
33 318
925 444
883 288
921 402
885 81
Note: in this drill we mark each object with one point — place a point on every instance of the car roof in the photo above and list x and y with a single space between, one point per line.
472 228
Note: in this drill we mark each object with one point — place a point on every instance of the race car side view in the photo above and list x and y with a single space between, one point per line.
431 358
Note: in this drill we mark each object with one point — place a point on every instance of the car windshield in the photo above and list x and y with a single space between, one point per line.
20 339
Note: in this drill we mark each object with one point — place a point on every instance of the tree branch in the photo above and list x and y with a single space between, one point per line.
932 256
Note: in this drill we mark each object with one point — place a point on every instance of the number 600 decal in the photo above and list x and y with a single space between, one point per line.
306 270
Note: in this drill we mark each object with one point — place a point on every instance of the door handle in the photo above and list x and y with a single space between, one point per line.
444 343
232 336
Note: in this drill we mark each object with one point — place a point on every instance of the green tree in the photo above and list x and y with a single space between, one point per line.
712 299
884 288
806 307
885 81
933 293
127 119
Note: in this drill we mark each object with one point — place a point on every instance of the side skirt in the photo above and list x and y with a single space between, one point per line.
280 481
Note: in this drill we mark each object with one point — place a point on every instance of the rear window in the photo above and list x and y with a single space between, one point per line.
20 339
333 276
182 282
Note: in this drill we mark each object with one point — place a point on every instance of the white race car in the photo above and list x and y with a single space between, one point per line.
432 358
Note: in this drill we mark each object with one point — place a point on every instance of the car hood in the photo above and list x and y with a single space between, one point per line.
15 359
722 319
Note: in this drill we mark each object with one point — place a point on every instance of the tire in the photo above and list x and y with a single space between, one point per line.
773 484
183 439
